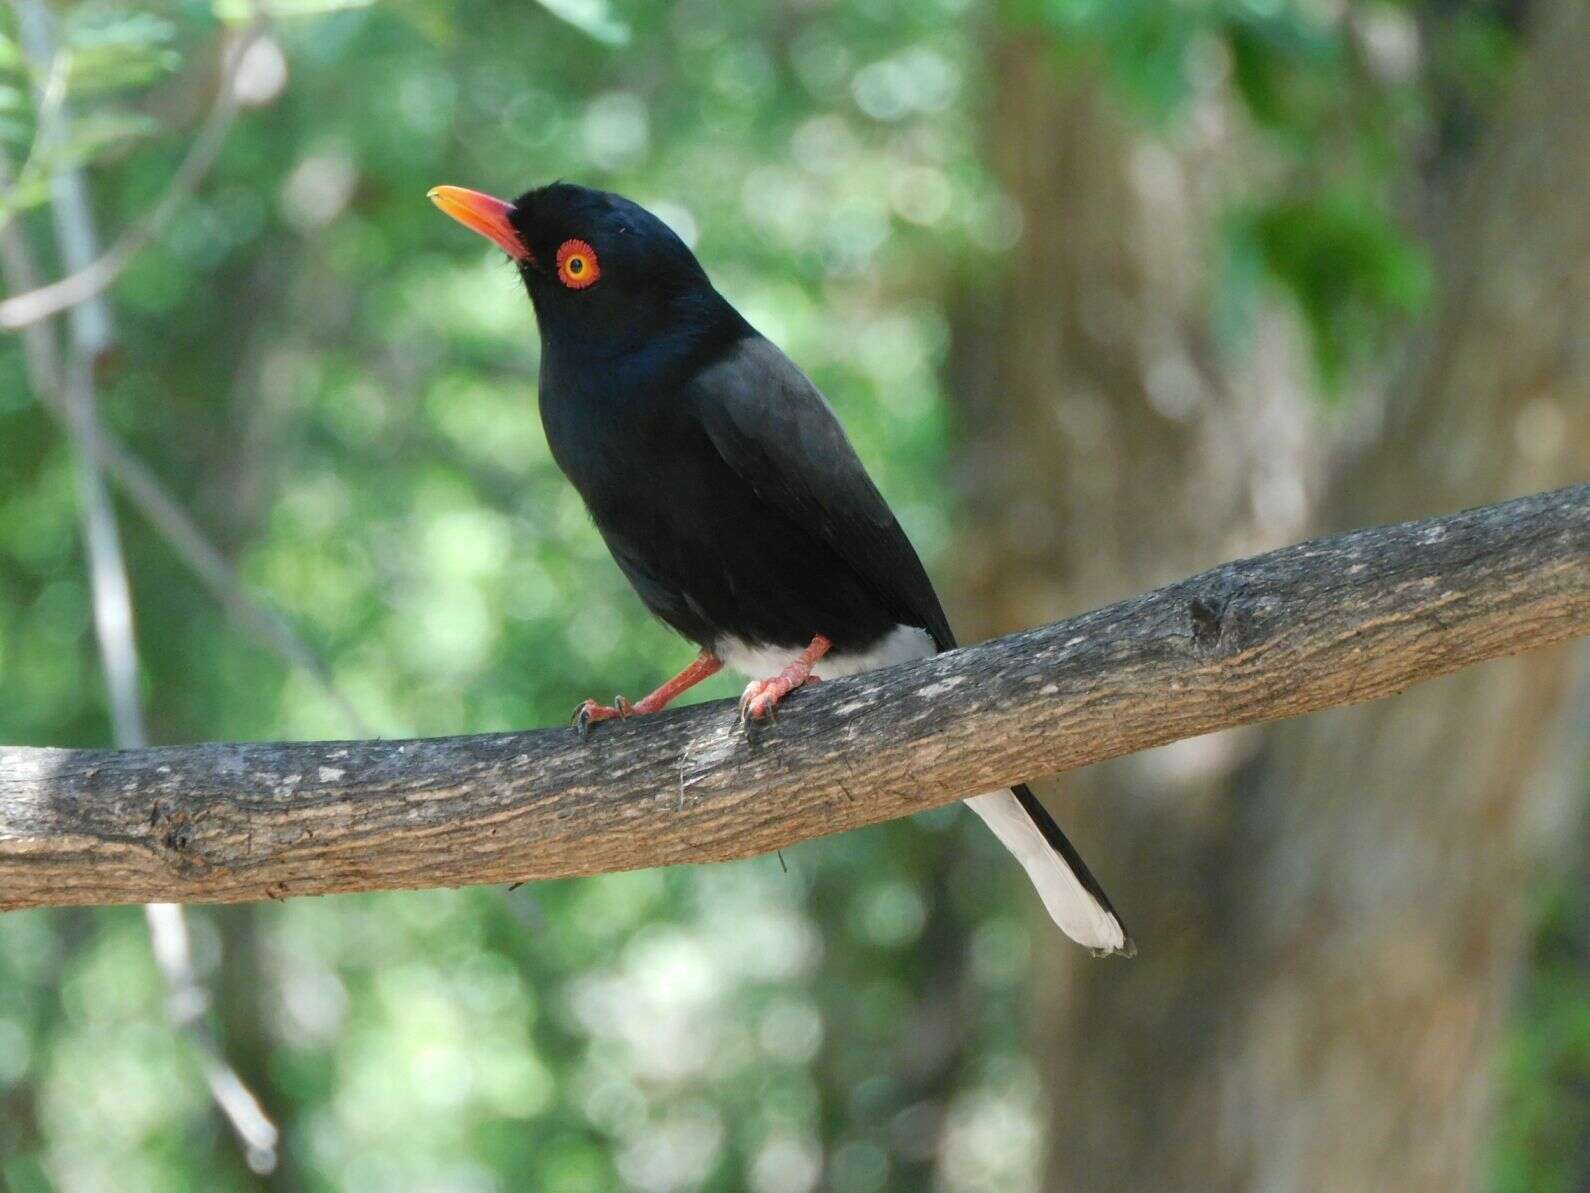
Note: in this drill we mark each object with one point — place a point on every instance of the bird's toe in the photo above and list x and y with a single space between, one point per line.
590 712
759 702
752 690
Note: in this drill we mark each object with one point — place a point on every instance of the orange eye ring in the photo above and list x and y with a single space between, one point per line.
577 267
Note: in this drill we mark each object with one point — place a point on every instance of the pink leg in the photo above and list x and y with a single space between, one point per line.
704 665
761 696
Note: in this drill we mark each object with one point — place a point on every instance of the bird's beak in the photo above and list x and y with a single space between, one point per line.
483 214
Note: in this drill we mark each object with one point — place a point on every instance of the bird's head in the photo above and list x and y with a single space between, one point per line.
605 275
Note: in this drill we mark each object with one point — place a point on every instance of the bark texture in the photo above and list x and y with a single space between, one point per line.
1332 907
1304 628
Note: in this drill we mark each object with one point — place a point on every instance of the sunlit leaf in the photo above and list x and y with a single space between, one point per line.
244 10
594 18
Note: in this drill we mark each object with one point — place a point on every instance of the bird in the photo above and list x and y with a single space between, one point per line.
727 491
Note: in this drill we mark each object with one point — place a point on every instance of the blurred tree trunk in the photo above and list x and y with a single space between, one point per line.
1329 911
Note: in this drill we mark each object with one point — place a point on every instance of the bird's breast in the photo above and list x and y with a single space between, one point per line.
608 445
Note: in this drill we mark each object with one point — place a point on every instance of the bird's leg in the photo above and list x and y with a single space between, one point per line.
705 664
761 696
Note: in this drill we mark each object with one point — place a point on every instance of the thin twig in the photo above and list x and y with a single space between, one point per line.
52 93
89 334
107 565
140 484
161 509
150 496
81 284
186 1003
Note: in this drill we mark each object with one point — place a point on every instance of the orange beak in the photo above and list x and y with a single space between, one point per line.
483 214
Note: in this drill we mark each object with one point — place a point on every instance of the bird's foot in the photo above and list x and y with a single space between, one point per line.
759 701
761 696
705 664
591 712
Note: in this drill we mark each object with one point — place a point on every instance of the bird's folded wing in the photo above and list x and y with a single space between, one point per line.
777 431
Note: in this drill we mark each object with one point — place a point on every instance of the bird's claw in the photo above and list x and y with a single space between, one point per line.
590 712
759 701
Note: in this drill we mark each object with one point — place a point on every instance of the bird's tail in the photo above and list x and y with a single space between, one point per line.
1069 891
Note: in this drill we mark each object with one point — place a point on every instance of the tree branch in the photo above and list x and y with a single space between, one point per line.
1330 622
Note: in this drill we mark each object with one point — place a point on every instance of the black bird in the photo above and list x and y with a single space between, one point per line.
726 489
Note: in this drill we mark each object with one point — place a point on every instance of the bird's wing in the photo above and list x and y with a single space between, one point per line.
777 431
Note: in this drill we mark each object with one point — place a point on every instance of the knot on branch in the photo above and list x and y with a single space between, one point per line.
175 834
1222 620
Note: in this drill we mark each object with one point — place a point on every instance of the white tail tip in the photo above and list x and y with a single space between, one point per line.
1080 914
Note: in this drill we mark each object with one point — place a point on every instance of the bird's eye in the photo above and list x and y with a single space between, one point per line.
577 267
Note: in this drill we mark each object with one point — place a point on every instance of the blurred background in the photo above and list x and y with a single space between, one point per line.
1107 291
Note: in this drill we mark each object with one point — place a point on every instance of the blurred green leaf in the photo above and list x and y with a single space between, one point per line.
1355 275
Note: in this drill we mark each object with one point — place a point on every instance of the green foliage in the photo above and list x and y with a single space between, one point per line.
102 53
1543 1123
1356 104
1352 274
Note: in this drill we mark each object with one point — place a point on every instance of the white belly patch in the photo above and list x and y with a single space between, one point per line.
762 662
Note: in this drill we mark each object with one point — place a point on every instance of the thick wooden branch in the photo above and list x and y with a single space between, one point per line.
1330 622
